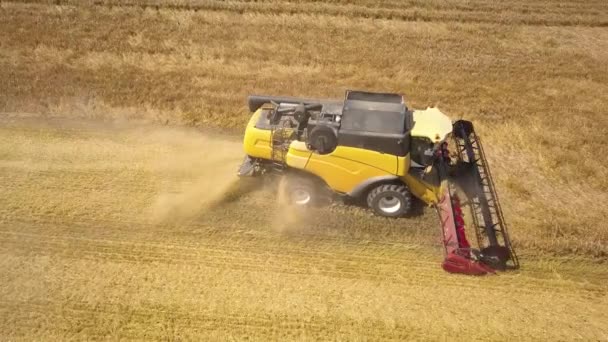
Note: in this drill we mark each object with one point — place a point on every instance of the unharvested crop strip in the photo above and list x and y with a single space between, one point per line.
415 15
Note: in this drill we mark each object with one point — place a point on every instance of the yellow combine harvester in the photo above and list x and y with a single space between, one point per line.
372 147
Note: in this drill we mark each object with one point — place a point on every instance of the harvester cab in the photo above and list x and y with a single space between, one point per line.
371 147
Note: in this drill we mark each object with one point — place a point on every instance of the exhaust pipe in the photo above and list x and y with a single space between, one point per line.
256 101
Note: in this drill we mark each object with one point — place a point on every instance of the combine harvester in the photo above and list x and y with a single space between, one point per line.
371 147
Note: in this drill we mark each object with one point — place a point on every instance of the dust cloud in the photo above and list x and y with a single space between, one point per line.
194 173
287 217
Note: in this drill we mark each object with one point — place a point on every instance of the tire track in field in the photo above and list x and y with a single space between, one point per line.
413 13
260 256
70 179
249 259
195 319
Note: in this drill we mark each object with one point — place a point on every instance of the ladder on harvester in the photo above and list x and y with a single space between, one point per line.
280 135
490 226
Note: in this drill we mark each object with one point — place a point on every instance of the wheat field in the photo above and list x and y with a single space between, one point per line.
120 126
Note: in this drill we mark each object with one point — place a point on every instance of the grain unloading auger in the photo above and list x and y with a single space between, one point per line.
373 148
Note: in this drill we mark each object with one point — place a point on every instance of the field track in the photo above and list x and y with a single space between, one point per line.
80 259
570 13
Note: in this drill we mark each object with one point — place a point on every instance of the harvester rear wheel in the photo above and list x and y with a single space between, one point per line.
390 200
302 191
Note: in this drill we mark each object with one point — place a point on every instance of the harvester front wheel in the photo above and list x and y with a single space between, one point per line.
390 200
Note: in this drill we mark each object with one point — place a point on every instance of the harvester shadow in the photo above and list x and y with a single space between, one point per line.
253 207
417 209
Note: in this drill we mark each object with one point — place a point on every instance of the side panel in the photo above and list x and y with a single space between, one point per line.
403 165
422 190
256 142
347 167
298 155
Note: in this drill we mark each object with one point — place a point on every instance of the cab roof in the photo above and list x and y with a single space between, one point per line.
376 112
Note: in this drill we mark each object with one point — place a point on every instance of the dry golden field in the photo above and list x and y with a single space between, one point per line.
119 138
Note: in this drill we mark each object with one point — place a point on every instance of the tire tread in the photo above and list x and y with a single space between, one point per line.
398 188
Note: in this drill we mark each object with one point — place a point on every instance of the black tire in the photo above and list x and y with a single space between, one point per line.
390 200
303 192
323 139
